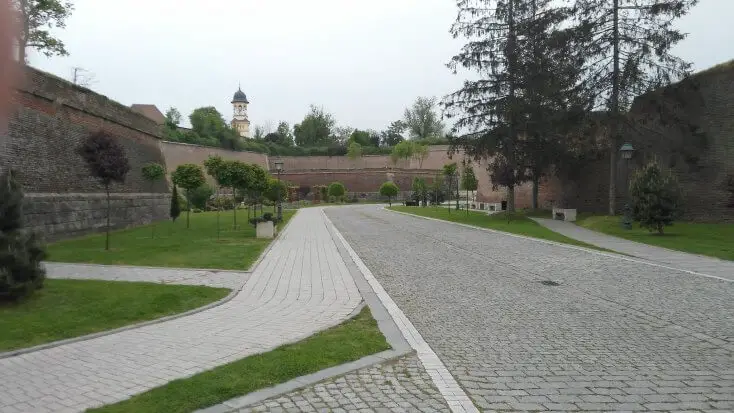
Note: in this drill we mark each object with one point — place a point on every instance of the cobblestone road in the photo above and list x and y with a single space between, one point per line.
399 386
613 335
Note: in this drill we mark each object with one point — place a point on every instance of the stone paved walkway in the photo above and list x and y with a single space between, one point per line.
209 278
300 287
612 335
663 256
400 386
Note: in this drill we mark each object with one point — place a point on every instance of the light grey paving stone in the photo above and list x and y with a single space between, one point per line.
614 333
183 276
301 286
401 385
664 256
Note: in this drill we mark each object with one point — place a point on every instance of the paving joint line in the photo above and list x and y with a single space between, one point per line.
574 247
232 294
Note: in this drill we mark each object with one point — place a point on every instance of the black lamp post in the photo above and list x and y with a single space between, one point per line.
627 151
279 169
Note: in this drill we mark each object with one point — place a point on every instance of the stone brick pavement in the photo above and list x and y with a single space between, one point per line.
613 335
300 287
676 259
209 278
399 386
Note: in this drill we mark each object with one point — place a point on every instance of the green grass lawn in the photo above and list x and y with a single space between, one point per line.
174 245
71 308
519 223
349 341
715 240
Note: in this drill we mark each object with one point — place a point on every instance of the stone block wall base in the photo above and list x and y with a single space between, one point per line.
60 216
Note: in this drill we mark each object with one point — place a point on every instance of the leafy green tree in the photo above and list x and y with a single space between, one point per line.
173 118
277 191
21 251
490 109
393 135
336 190
238 176
420 153
188 176
628 52
258 132
354 150
449 172
422 121
361 137
153 172
106 161
436 193
390 190
284 130
36 18
469 181
403 150
175 210
420 191
257 184
315 129
656 197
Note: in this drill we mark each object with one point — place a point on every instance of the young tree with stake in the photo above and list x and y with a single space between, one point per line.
188 176
153 172
468 181
390 190
106 161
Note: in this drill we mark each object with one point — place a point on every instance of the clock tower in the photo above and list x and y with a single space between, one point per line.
240 122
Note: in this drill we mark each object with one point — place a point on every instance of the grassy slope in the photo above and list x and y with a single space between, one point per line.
71 308
716 240
349 341
518 224
173 245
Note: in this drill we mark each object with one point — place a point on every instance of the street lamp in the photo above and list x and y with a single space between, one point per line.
627 151
279 169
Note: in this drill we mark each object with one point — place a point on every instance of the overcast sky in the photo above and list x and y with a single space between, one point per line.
364 61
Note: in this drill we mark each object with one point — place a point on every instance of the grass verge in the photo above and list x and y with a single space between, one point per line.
715 240
72 308
352 340
199 246
518 223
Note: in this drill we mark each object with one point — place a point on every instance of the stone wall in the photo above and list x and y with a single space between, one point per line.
691 132
50 119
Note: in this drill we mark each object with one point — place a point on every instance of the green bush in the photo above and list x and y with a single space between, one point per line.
336 190
201 195
21 252
196 211
223 202
656 198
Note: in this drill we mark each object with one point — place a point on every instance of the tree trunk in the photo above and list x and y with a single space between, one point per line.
107 237
511 198
536 184
152 214
389 201
188 208
467 202
234 198
613 141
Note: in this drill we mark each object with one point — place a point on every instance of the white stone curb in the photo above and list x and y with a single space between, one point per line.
454 395
569 246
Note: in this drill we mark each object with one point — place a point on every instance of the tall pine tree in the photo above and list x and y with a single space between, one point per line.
628 44
488 110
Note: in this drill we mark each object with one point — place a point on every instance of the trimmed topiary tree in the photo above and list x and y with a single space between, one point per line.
175 204
336 190
188 176
390 190
153 172
656 198
21 252
106 161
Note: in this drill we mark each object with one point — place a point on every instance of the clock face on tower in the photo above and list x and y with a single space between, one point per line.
239 110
